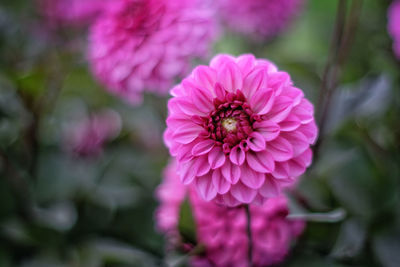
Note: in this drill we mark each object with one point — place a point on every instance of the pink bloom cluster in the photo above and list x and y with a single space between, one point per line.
394 26
87 136
71 12
240 130
260 19
222 230
139 45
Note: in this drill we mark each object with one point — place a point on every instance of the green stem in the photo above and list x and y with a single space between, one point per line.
341 44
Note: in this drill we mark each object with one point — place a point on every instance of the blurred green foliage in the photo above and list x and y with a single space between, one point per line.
57 210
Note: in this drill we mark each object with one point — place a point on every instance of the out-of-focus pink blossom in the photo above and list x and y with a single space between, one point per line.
394 26
139 45
71 12
87 136
240 130
260 19
222 230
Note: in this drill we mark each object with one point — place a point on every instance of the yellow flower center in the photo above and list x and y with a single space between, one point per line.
229 124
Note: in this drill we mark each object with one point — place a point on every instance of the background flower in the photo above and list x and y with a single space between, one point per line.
87 136
394 25
222 230
140 45
261 19
239 129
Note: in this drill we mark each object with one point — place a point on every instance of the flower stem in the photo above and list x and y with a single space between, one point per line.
342 40
250 238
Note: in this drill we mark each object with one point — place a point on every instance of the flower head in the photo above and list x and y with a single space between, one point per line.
139 45
239 130
394 26
260 19
222 230
87 136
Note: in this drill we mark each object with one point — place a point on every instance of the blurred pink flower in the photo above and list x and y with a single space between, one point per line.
239 130
261 19
87 136
394 26
222 230
140 45
71 12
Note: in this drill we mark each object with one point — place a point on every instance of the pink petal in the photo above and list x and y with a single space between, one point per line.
260 161
280 149
203 147
305 157
281 109
205 187
230 77
168 140
278 80
188 107
202 100
216 157
262 101
220 60
252 178
289 124
187 133
176 120
229 200
298 141
246 63
294 93
304 111
310 130
177 90
256 142
174 107
184 153
271 67
269 188
268 129
201 165
254 81
231 172
282 170
206 76
220 183
243 193
187 173
296 167
237 155
220 92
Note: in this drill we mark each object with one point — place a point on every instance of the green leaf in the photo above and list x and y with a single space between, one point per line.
351 239
386 247
186 225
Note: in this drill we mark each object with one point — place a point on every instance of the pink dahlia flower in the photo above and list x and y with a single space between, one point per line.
142 45
87 136
260 19
239 129
394 26
71 12
222 230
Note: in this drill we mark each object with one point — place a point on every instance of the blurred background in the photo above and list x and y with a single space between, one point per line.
64 203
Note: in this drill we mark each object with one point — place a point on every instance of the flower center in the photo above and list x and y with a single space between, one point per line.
231 121
229 124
